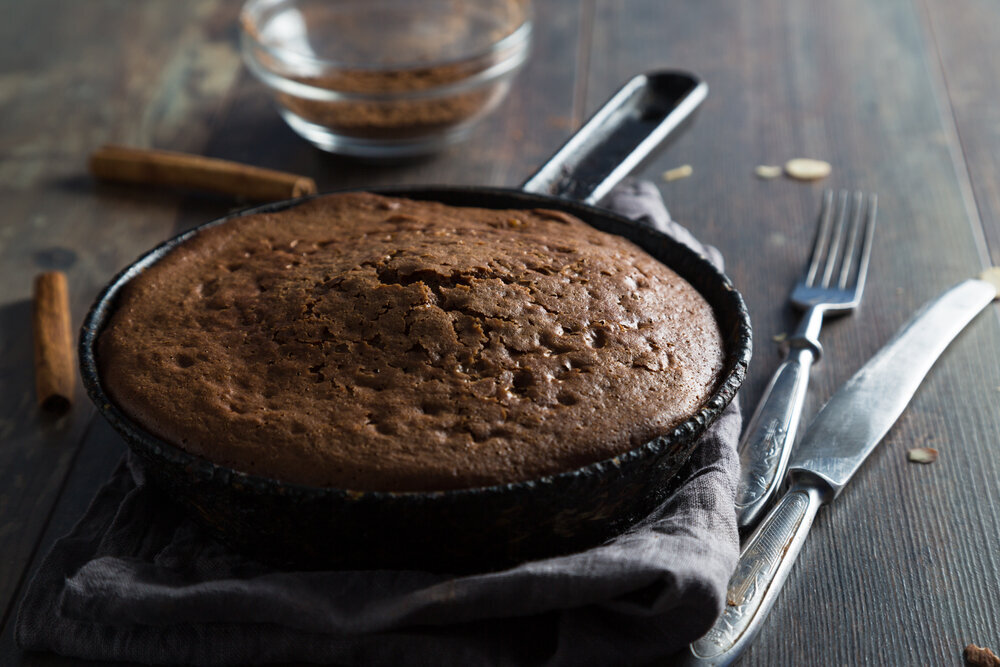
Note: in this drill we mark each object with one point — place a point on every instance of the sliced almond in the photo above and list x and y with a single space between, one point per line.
807 169
767 171
922 455
678 173
992 276
978 656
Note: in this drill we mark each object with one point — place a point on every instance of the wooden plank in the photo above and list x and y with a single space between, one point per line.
964 37
897 571
142 73
964 33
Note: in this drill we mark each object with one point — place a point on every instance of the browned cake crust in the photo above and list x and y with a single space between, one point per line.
370 343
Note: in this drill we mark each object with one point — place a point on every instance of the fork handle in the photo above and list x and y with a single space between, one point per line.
768 439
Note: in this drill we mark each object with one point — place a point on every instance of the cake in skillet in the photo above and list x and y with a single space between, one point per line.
375 343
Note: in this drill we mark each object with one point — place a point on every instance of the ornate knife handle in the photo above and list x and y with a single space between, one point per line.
768 439
763 567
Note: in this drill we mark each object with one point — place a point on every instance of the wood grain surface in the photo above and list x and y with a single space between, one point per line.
902 97
73 79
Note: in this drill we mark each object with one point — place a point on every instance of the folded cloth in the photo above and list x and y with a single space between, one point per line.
137 580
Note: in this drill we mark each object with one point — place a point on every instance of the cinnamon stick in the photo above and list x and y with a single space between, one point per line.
55 371
158 167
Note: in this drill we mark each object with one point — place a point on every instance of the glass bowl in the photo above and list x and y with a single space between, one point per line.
385 78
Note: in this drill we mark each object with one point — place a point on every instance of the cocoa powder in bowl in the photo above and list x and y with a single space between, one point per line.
381 79
393 118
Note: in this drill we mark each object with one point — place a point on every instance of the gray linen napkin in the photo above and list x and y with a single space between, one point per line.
137 580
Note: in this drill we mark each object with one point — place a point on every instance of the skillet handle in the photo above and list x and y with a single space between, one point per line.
619 137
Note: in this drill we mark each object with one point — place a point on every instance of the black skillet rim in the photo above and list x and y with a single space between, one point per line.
737 360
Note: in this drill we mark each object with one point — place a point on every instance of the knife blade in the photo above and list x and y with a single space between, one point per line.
843 434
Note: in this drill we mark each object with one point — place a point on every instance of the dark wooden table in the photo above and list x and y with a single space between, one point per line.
901 96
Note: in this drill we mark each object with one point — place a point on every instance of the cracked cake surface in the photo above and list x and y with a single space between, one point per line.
373 343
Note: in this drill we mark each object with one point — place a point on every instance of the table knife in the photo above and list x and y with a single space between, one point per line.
837 442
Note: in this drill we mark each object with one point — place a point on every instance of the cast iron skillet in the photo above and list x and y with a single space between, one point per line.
479 528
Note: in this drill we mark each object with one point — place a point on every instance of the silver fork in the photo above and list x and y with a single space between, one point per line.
832 284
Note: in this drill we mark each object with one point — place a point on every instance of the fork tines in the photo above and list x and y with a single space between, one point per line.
843 241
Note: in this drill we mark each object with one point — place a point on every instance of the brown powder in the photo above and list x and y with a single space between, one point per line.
392 118
401 61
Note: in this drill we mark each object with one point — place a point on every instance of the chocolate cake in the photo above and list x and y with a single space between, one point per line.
372 343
